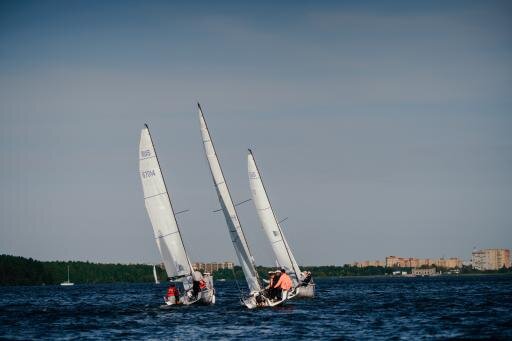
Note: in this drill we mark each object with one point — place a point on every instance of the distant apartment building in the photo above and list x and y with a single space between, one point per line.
490 259
211 267
367 263
401 262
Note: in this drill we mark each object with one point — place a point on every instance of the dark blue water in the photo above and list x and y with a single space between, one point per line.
350 308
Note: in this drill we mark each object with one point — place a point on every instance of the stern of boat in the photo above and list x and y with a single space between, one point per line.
306 292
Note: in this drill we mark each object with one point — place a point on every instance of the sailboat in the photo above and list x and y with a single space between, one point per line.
155 276
256 296
67 283
166 230
302 281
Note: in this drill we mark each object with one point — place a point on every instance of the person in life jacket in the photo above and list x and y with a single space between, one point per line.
173 294
285 284
196 282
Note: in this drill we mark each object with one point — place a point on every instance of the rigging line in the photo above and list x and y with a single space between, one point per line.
236 281
151 196
280 221
240 203
181 212
243 202
165 235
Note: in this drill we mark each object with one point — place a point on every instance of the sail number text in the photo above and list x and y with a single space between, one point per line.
148 173
145 153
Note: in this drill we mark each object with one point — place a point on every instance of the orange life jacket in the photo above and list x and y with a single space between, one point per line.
285 282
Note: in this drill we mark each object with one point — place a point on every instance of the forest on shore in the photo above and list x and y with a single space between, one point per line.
15 270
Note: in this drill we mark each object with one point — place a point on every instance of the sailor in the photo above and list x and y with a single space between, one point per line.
173 294
285 284
270 287
275 291
196 278
202 284
306 279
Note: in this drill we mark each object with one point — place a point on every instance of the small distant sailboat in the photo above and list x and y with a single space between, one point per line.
257 296
155 276
166 230
67 283
302 281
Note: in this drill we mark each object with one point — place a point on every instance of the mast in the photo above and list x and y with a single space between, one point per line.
262 202
161 213
235 229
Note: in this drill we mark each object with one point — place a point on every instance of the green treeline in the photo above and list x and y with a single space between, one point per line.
27 271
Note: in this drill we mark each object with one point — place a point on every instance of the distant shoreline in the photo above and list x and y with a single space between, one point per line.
15 270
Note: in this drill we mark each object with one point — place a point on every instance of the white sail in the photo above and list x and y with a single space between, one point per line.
158 205
269 222
154 275
235 230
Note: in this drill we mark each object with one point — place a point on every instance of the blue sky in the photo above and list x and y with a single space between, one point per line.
380 128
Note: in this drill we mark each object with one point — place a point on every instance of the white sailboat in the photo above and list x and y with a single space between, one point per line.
302 281
67 283
166 231
256 297
155 276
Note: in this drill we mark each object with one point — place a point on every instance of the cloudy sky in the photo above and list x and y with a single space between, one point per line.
379 128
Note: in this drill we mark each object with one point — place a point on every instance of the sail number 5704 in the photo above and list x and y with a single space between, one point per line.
148 173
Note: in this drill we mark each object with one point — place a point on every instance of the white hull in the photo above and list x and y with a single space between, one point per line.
205 297
256 300
67 284
306 292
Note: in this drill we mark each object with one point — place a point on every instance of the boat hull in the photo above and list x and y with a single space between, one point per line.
306 292
205 297
258 300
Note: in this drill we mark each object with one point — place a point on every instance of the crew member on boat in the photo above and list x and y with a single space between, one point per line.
270 287
285 284
173 294
202 284
307 279
198 283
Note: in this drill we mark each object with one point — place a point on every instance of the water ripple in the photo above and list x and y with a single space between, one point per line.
345 308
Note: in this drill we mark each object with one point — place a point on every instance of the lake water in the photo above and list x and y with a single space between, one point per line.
347 308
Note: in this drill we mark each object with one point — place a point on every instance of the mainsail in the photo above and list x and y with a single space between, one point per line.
235 230
158 205
270 223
